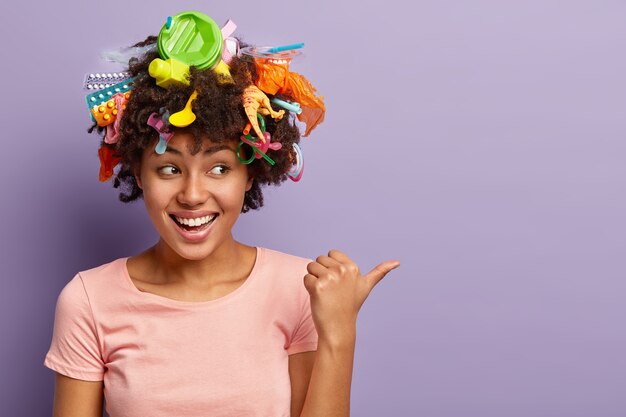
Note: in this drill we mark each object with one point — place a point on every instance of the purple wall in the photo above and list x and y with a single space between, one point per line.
495 172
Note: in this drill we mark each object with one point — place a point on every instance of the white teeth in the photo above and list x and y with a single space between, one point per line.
198 221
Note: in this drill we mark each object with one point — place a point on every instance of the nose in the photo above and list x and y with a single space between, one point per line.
193 191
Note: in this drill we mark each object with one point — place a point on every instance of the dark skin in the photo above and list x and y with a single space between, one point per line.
147 278
222 123
320 380
184 180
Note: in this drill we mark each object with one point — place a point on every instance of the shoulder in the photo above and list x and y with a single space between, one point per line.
283 270
114 267
284 260
103 275
91 281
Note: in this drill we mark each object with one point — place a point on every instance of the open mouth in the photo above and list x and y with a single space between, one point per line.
194 225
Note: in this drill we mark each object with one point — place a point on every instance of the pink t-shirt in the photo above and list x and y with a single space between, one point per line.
160 357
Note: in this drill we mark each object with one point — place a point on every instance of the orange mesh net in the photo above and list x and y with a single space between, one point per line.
277 79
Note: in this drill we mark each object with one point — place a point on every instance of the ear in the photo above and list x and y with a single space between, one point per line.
249 184
137 174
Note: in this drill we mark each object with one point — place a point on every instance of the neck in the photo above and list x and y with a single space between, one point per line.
223 264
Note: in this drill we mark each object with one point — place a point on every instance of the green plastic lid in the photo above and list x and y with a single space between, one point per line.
192 38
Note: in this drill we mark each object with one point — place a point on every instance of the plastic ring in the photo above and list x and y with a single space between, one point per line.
244 161
299 177
296 174
255 151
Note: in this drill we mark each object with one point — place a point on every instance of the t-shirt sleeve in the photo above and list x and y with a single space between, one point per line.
304 338
74 350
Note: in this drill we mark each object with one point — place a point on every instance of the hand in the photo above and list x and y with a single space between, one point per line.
338 290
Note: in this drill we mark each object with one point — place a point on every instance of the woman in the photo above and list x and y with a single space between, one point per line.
200 324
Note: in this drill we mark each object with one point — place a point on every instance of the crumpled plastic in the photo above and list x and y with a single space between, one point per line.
108 161
277 79
230 48
112 135
124 55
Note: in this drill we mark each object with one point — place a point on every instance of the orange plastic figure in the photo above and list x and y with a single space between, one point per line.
255 101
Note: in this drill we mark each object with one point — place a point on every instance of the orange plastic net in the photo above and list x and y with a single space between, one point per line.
277 79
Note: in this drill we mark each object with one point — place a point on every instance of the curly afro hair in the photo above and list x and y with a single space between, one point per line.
219 114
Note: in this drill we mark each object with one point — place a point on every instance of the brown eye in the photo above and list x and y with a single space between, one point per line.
220 170
168 170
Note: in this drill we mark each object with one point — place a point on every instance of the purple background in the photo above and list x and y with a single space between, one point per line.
481 143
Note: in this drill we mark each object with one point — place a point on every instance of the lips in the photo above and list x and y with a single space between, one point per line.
194 233
193 224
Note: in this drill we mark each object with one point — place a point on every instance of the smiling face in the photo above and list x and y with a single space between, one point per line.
193 200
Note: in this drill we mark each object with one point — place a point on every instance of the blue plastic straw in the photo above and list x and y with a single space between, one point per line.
292 107
285 48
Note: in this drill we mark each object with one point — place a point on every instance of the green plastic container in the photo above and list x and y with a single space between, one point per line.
193 38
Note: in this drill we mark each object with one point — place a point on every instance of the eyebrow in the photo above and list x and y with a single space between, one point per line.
211 150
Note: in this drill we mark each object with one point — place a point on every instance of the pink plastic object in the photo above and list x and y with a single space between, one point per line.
229 43
295 174
157 123
111 137
299 176
263 146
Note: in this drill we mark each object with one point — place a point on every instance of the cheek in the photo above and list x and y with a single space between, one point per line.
156 194
153 205
231 196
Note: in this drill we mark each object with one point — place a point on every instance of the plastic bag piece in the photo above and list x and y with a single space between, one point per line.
108 161
112 130
277 79
313 109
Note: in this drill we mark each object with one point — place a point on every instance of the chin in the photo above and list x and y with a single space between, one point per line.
194 255
193 252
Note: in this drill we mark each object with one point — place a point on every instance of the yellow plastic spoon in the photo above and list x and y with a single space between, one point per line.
185 117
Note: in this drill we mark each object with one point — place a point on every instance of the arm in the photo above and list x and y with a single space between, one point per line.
300 368
75 351
77 398
328 394
337 291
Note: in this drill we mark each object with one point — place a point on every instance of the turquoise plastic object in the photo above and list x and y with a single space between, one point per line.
277 49
161 146
192 38
101 96
292 106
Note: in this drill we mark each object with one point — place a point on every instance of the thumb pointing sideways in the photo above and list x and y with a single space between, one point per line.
379 272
